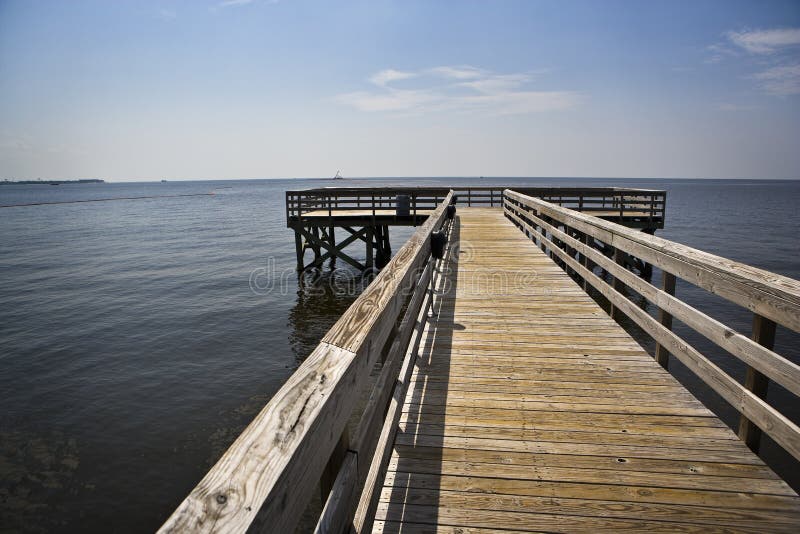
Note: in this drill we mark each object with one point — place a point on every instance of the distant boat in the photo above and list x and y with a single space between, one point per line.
163 181
338 176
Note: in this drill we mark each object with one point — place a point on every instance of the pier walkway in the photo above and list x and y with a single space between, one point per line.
532 410
482 382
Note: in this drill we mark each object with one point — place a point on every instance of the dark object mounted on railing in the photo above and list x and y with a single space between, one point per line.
454 199
438 241
403 205
451 211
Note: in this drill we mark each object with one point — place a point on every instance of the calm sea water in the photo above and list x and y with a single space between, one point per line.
134 348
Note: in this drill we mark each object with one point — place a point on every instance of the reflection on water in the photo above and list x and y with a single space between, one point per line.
322 296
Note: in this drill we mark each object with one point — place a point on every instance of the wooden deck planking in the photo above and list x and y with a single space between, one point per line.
531 410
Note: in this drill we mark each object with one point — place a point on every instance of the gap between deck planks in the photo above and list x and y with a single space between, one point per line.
531 410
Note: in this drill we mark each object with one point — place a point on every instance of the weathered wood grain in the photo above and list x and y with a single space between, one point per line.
276 462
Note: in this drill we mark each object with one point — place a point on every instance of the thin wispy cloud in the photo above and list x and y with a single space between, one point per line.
765 41
229 3
458 73
719 52
492 84
783 80
387 76
776 47
235 3
456 89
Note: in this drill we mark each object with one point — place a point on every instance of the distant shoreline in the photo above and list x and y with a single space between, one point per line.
50 182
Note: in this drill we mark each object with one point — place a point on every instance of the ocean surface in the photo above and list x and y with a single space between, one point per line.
139 336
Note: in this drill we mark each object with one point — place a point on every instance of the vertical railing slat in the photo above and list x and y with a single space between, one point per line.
668 286
763 334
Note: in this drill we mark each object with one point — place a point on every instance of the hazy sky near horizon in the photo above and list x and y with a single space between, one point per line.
144 90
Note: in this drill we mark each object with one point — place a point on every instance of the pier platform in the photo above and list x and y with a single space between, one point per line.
366 214
530 409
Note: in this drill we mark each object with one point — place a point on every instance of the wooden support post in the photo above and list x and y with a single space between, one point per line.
332 251
298 247
384 248
619 258
334 463
376 244
763 334
370 261
315 246
332 241
667 286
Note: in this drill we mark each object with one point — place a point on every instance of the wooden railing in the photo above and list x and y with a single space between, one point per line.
299 442
638 207
571 238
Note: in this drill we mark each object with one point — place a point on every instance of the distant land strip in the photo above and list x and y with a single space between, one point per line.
104 200
52 182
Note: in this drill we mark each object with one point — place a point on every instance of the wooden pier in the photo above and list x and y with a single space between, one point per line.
366 214
501 396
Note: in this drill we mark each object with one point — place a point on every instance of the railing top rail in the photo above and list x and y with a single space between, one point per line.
771 295
271 470
330 190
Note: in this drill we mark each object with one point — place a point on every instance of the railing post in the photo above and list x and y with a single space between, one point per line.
619 257
668 286
763 334
328 476
587 263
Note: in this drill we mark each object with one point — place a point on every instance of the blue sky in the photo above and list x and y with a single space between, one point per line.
145 90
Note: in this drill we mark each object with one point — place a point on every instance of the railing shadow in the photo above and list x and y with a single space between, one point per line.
417 458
